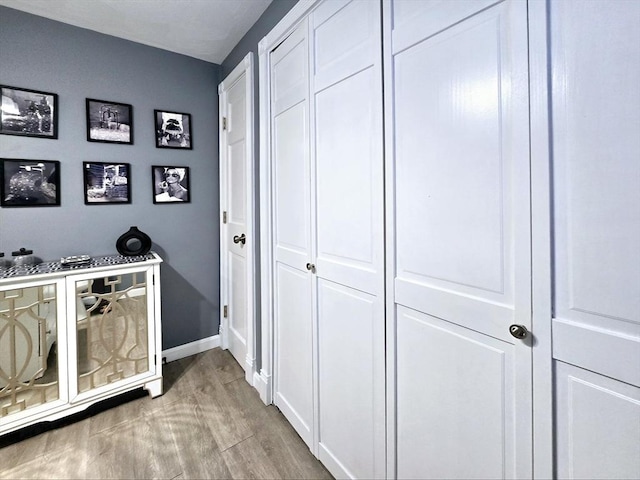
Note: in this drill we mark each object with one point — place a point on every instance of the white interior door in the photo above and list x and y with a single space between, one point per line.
237 242
290 190
595 78
348 175
459 148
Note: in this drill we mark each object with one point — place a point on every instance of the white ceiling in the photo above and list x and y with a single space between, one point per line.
204 29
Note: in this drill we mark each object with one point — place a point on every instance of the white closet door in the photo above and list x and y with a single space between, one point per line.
595 73
461 208
293 349
347 139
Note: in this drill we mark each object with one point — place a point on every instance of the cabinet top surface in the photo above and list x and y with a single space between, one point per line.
57 269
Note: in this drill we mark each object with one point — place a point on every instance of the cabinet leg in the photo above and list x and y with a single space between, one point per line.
154 388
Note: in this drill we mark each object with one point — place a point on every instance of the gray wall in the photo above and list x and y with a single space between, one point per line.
249 43
41 54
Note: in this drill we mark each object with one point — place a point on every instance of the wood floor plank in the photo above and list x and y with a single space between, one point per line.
222 413
198 452
25 448
73 436
33 468
247 459
278 439
291 454
208 424
161 451
112 417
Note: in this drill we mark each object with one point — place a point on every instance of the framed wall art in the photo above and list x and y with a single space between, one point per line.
29 183
29 113
173 130
106 183
170 184
109 122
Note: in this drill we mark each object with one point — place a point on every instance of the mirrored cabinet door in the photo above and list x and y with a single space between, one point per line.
112 332
29 373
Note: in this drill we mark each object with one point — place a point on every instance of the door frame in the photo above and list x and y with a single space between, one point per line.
242 72
263 381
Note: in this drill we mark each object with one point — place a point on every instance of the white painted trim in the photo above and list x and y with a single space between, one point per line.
224 295
266 212
543 438
193 348
285 26
390 266
262 382
243 69
282 30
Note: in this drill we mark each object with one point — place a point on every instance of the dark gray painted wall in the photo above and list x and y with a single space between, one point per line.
75 63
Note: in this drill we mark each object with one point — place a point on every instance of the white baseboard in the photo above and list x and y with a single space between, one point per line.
261 384
188 349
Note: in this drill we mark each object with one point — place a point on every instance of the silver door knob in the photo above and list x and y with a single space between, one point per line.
518 331
311 267
239 239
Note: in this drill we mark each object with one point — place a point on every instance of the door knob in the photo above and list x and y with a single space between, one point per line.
518 331
311 267
239 239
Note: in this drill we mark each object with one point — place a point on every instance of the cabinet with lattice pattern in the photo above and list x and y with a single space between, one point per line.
73 336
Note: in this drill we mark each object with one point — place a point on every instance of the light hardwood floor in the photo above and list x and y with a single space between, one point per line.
209 424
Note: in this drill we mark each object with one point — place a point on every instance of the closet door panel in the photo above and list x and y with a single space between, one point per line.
293 340
595 442
439 363
291 227
595 112
350 395
291 190
349 182
289 72
459 113
348 171
596 168
462 205
414 21
344 40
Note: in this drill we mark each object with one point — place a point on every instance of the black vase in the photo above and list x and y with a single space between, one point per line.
133 242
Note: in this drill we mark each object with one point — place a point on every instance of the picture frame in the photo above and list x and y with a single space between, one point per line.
29 183
28 113
109 122
170 184
173 130
106 183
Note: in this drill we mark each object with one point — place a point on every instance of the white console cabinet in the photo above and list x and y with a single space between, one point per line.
73 336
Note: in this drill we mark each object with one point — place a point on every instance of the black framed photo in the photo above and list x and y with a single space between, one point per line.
170 184
106 183
29 183
173 130
109 122
29 113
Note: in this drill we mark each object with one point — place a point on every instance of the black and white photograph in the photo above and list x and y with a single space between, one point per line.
106 183
29 183
109 122
173 130
170 184
28 113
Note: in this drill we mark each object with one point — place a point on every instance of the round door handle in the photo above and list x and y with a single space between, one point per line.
311 267
518 331
240 239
